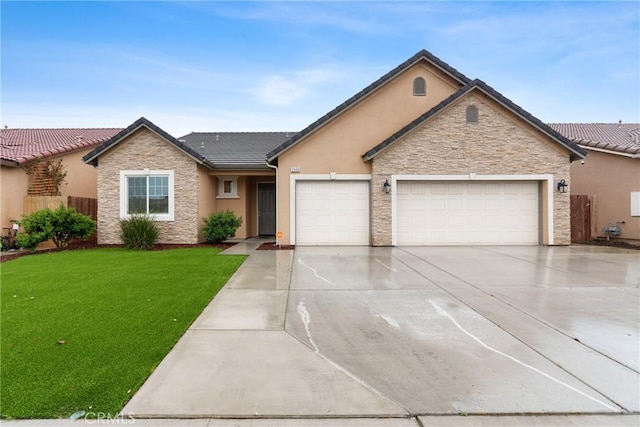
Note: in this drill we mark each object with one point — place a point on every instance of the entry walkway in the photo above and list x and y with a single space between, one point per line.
236 360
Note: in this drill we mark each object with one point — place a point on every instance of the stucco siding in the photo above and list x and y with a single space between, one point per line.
146 150
207 191
338 146
500 144
14 187
81 181
611 178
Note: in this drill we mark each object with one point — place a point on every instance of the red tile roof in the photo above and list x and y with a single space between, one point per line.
21 146
619 137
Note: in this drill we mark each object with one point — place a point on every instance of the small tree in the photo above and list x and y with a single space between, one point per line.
61 226
219 226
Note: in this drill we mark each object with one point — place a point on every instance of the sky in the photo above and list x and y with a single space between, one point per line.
279 66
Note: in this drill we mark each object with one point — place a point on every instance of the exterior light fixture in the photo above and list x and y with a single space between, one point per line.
386 187
562 186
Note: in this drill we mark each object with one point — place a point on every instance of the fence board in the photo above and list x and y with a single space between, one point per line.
86 206
580 218
36 203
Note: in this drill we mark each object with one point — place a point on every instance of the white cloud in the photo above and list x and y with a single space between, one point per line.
280 90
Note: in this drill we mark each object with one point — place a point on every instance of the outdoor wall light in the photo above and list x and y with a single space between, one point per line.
386 187
562 186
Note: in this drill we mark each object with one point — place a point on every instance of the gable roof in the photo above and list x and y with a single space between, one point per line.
618 137
19 147
576 152
92 157
423 55
235 150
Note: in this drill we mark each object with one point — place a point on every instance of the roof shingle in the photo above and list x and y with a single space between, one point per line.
618 137
240 150
21 146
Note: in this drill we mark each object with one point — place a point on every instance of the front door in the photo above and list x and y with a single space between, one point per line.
266 209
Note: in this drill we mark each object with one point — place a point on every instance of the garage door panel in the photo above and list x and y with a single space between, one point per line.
445 213
332 213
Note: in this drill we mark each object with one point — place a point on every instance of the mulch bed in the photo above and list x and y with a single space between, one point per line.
271 246
8 256
614 243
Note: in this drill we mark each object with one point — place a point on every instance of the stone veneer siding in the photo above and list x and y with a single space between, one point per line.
146 150
499 144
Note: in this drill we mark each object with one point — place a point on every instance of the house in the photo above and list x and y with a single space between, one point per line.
24 150
610 175
422 156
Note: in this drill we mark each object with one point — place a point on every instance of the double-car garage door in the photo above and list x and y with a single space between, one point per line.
427 213
467 213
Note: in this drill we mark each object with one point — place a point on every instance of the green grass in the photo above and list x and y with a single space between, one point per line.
118 312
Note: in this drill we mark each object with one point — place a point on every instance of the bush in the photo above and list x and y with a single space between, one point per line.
139 232
219 226
61 226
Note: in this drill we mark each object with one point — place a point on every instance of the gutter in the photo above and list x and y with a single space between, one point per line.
269 165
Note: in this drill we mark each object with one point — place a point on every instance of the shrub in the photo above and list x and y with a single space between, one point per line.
219 226
61 226
139 232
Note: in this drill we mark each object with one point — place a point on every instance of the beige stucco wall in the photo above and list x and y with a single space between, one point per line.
499 144
207 191
145 149
611 178
339 145
14 183
236 205
81 181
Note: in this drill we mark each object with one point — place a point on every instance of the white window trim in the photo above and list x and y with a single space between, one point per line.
124 200
234 187
314 177
470 177
635 203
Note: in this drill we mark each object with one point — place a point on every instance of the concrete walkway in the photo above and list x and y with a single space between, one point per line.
236 360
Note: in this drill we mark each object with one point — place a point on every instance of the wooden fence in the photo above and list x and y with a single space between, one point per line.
582 218
84 205
36 203
88 207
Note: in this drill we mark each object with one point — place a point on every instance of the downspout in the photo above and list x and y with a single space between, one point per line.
269 165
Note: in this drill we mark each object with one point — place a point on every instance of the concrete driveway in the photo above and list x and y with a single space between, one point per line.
411 333
444 330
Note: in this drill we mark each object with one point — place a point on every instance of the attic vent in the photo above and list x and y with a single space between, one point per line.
472 114
419 87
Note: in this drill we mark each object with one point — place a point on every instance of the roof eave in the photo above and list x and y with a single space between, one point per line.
92 158
10 163
364 93
575 151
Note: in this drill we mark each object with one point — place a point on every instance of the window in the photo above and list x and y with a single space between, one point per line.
228 187
147 192
635 203
472 114
419 87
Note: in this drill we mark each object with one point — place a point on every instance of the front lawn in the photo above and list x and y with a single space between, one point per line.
82 330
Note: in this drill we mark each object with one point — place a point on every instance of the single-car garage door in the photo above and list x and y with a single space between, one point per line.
467 213
332 213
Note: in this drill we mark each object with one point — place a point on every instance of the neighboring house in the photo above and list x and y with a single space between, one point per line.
22 148
611 173
422 156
